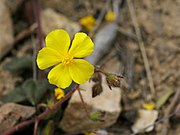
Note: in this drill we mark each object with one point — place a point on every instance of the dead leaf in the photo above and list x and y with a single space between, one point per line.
11 113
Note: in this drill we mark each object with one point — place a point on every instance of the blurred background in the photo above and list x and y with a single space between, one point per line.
136 39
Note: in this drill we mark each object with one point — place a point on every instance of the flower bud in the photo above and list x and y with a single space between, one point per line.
113 80
59 93
96 89
97 116
87 22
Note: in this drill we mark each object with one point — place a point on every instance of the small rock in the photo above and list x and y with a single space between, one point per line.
52 20
11 113
146 118
75 117
6 30
103 41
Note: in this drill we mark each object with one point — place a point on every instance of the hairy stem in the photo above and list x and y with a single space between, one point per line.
82 100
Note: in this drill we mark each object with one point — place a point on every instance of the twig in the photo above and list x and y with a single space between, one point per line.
25 33
128 34
99 20
116 9
169 110
141 45
36 6
34 58
42 115
82 100
36 127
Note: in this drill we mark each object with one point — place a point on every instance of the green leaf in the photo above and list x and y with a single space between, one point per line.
97 116
16 95
162 100
48 129
34 90
30 90
17 65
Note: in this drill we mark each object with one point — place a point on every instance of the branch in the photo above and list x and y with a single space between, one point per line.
36 6
141 45
42 115
83 103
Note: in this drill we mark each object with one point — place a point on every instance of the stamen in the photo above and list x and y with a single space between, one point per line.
67 59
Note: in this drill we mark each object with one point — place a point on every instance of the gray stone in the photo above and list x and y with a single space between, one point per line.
103 42
6 30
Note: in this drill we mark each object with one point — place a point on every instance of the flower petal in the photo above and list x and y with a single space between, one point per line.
58 40
59 93
80 71
48 57
60 76
82 45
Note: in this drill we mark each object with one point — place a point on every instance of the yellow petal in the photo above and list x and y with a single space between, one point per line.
48 57
82 45
59 93
89 133
58 40
80 71
149 106
87 22
110 16
60 76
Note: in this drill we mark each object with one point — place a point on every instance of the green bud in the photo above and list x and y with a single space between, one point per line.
97 116
113 80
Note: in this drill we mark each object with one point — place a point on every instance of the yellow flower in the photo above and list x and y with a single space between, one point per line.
110 16
59 93
87 22
89 133
149 106
67 59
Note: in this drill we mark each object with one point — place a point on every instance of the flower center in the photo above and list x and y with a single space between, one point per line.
67 59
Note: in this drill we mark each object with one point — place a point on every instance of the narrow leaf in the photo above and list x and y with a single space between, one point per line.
162 100
48 129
